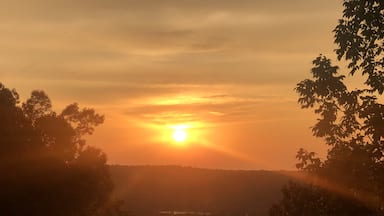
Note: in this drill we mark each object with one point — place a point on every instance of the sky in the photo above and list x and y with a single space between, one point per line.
223 70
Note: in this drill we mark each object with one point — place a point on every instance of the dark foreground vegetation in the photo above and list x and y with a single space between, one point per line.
46 166
350 181
150 190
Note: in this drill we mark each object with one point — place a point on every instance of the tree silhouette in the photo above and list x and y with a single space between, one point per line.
46 167
350 181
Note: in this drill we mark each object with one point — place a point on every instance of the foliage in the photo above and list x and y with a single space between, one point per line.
350 181
360 38
46 168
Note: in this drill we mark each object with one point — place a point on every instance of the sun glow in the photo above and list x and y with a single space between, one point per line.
179 135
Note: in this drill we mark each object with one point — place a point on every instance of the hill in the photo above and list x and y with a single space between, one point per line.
152 190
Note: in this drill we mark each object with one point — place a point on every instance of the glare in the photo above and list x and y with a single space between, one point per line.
185 134
179 135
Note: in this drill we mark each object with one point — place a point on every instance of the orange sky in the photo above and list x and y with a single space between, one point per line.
224 68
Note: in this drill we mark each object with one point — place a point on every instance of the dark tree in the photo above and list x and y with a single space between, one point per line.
350 181
360 38
46 167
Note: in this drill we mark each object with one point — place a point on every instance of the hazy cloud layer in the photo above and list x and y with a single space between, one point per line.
231 61
171 41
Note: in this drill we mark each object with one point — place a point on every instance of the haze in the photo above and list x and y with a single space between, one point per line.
224 68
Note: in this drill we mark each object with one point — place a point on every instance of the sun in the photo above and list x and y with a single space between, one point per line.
179 135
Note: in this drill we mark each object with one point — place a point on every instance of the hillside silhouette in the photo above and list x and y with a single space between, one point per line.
148 190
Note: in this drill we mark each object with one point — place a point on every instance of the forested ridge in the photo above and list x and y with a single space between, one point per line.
147 190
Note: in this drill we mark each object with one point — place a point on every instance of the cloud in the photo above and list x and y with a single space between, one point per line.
210 110
73 8
162 42
157 61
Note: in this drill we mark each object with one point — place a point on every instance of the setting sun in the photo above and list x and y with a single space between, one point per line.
179 135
